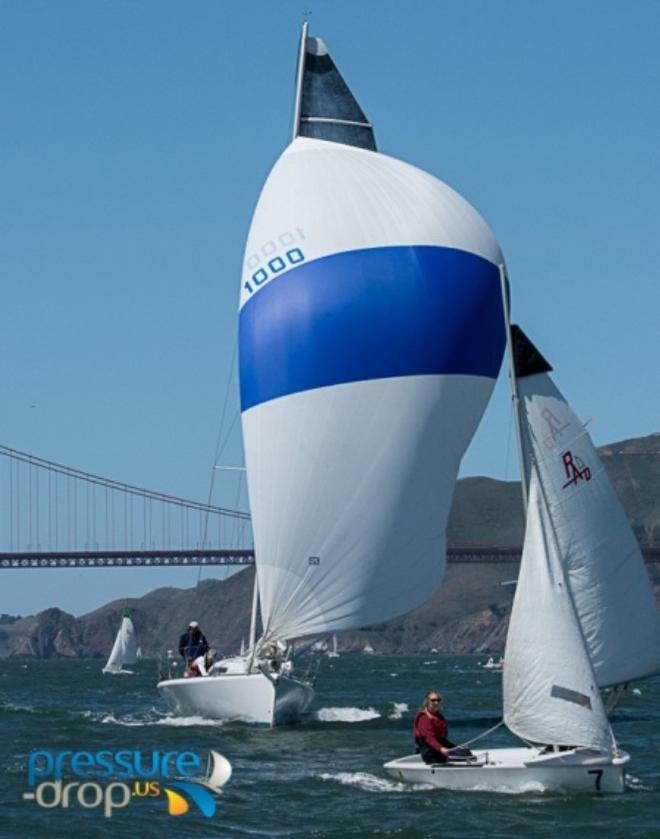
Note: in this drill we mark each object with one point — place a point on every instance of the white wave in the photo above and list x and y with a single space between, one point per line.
394 675
637 691
631 782
129 721
185 721
371 783
400 708
346 714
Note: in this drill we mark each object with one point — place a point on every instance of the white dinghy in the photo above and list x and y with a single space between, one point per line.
370 340
583 615
124 650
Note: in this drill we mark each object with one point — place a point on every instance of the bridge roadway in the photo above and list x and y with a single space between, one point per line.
40 560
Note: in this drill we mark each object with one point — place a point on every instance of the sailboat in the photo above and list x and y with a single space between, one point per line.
583 615
370 338
125 649
333 652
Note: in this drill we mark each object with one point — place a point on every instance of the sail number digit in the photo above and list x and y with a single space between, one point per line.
599 774
273 257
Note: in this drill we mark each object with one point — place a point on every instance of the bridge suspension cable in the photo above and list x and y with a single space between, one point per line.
47 507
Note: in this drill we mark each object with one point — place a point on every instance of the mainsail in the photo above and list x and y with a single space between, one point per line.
370 338
124 650
603 563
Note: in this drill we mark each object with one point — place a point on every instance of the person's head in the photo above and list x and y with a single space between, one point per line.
432 701
209 657
193 627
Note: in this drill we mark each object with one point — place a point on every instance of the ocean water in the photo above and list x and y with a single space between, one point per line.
321 778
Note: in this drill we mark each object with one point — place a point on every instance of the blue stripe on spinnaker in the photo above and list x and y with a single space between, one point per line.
371 314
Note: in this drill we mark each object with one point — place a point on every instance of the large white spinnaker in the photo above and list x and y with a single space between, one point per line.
549 688
370 339
603 563
124 650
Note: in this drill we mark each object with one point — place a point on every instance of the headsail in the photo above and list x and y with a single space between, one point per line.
370 339
124 650
602 559
550 690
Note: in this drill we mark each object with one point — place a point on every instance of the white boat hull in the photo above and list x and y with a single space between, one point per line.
253 697
520 770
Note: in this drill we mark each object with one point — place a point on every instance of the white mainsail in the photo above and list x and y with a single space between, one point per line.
602 560
549 687
370 339
124 650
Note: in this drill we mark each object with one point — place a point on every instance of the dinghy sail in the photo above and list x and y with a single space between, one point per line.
601 557
370 337
125 649
583 614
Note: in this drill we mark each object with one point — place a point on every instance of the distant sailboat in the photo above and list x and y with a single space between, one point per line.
583 615
125 649
332 652
491 664
370 337
368 649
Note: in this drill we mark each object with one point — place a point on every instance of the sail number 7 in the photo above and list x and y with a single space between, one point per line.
273 257
598 773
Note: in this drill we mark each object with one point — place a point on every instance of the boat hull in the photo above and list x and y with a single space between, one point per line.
520 770
254 697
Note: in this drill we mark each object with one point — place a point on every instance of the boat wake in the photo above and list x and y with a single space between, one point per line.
152 718
346 714
400 708
371 783
631 782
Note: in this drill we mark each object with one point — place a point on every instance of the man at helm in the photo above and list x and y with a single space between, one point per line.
192 643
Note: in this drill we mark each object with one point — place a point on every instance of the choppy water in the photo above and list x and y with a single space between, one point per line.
321 778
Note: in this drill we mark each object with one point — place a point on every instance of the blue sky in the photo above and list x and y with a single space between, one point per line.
137 135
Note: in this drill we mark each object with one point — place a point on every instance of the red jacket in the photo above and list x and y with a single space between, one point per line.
432 729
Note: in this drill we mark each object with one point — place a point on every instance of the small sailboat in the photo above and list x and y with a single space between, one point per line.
125 649
218 771
583 615
370 338
332 652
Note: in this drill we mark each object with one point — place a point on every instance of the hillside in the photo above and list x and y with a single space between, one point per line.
469 613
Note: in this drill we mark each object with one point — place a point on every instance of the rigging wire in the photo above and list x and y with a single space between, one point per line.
219 448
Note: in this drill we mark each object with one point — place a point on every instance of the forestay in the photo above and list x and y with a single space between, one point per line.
602 559
550 690
370 339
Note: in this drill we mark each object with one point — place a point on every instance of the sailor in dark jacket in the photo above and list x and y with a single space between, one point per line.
192 643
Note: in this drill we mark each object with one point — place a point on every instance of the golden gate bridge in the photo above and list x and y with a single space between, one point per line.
55 516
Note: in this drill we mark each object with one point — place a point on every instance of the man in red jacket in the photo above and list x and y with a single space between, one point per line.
430 730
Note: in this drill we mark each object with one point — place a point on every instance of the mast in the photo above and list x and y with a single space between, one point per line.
515 398
253 618
299 80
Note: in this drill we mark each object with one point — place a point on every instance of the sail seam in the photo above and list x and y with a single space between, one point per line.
337 121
